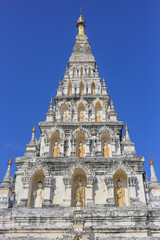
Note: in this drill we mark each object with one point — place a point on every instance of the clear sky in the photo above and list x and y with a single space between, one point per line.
36 41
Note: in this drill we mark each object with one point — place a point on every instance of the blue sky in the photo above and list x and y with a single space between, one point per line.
36 41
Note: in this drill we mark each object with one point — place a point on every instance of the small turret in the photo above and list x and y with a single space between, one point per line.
50 114
33 134
127 133
7 178
153 175
6 187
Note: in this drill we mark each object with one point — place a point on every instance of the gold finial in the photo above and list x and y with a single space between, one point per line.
81 24
10 160
34 129
126 128
104 82
51 102
60 83
112 103
150 161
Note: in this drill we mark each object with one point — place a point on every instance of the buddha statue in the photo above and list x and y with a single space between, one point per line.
98 117
81 116
56 150
69 92
105 150
120 194
65 117
80 194
93 91
81 92
89 72
39 196
81 150
74 70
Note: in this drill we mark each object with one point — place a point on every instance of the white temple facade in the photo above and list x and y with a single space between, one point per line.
82 179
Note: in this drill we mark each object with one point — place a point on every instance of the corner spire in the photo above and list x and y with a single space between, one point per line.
33 135
127 132
10 160
150 160
81 24
153 174
6 183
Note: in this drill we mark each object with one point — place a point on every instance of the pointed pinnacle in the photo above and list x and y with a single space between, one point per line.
34 129
112 103
51 102
10 160
150 160
126 128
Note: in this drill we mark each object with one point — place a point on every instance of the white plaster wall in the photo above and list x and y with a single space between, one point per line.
100 190
59 190
140 189
18 187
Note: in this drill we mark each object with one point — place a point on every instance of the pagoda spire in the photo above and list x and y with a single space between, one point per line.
33 134
81 24
153 175
7 178
127 132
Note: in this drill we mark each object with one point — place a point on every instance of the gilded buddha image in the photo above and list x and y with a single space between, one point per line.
81 150
80 194
120 194
56 150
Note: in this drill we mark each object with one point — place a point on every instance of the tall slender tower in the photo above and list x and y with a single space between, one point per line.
82 179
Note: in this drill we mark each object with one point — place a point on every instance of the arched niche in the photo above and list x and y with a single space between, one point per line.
81 88
98 112
120 183
105 144
64 113
93 88
80 145
81 112
37 177
69 89
78 176
55 140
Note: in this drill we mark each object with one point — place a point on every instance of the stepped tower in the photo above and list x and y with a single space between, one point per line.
82 179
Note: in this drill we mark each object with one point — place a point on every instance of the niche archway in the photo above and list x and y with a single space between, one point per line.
37 177
79 175
80 145
55 138
81 112
121 194
64 113
69 89
98 112
105 145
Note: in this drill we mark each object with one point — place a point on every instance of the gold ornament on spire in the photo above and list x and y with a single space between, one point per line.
104 82
126 128
112 103
81 24
150 161
10 160
34 129
51 102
